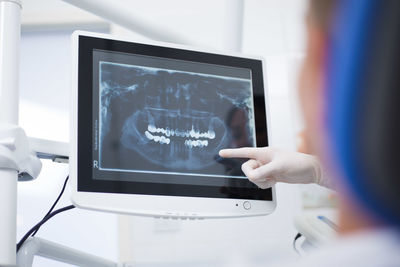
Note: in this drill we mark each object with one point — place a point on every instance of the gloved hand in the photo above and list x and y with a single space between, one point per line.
267 166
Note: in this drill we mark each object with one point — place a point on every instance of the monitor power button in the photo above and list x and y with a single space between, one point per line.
246 205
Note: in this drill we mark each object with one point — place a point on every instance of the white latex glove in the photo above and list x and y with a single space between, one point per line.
267 166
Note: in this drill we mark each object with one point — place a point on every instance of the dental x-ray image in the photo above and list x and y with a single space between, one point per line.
160 120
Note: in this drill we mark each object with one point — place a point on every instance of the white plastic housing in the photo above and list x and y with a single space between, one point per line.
10 25
155 205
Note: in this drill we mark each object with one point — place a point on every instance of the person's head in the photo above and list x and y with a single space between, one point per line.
350 94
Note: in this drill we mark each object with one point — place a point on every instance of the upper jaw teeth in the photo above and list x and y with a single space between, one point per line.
210 134
152 128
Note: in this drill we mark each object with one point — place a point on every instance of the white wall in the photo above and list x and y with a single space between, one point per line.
273 29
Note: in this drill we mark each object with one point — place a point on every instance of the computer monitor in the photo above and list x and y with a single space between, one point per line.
148 121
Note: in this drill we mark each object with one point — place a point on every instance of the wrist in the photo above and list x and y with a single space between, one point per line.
316 170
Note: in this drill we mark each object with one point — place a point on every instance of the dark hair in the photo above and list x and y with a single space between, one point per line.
363 96
379 126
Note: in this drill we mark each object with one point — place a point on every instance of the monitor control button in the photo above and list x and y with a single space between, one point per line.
246 205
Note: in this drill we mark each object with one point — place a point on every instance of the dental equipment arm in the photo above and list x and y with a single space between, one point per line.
16 158
47 249
119 12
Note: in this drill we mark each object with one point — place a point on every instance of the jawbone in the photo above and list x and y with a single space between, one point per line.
175 139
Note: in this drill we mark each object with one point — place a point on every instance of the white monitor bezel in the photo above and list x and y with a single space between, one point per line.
157 205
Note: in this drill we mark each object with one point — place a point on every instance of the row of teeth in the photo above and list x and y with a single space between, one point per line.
166 140
210 134
156 138
196 143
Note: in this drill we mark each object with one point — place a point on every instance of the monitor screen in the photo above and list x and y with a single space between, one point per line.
152 119
164 120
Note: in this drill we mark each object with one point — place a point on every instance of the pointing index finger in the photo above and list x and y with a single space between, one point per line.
244 152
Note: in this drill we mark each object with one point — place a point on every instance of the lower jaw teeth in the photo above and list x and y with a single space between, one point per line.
157 139
165 140
196 143
162 139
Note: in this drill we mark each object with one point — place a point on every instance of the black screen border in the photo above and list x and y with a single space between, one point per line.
85 181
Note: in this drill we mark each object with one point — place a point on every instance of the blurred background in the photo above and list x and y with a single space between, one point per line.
272 29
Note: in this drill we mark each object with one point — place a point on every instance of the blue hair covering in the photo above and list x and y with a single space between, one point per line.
352 49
